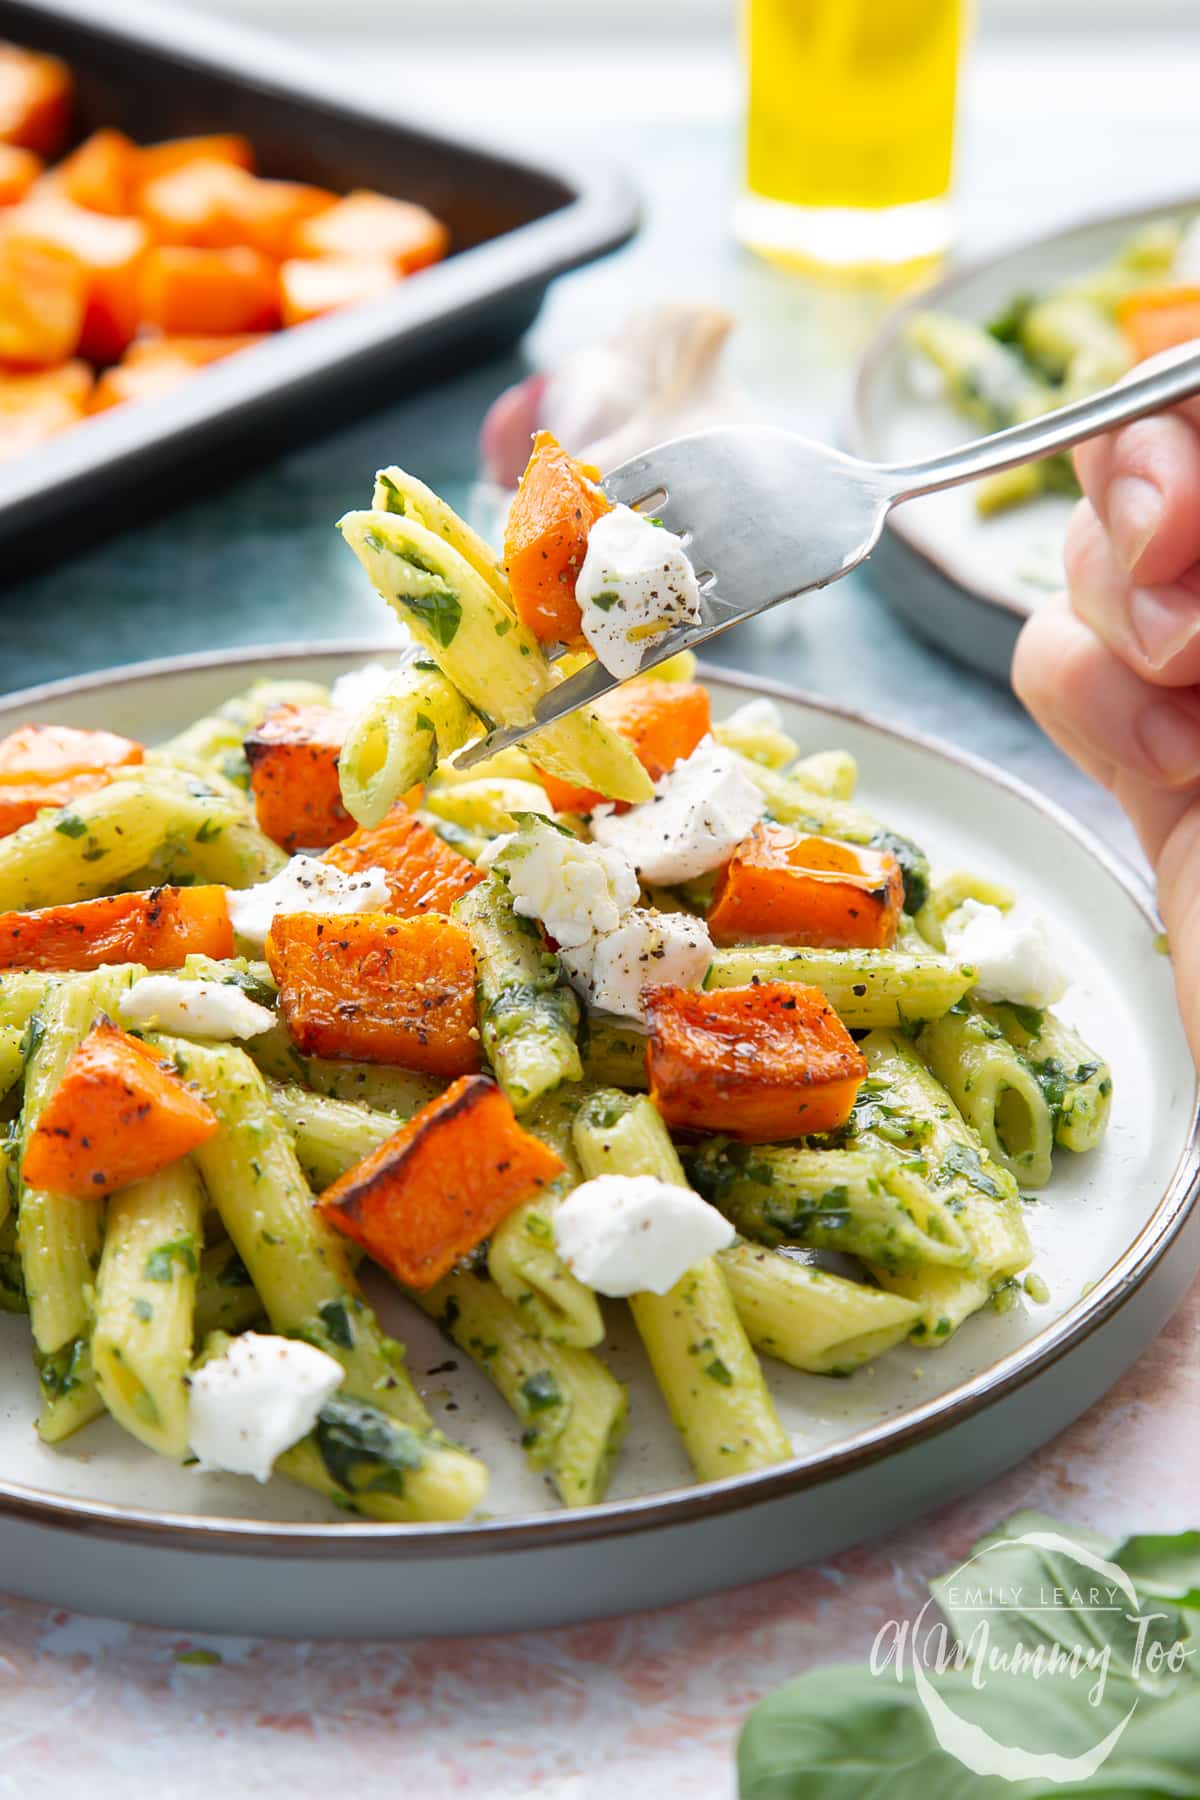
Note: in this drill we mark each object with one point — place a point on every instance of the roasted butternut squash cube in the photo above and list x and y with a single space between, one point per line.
98 176
46 765
187 291
154 160
214 205
53 752
545 539
161 927
1158 319
293 758
663 720
35 100
110 251
309 288
783 887
43 300
425 874
119 1114
23 801
762 1063
442 1184
364 224
374 988
19 169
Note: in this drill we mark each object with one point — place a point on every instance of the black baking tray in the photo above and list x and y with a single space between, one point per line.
514 226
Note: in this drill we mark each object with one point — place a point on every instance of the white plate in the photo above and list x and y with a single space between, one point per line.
100 1523
965 581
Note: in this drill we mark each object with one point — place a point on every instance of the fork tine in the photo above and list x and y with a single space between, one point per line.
734 491
587 684
634 482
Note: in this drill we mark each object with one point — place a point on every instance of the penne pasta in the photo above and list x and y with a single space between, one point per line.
705 1367
576 1010
866 988
146 1305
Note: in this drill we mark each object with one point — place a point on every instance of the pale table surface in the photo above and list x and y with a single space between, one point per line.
646 1707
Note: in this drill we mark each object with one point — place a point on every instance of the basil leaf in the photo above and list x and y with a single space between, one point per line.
440 613
365 1451
336 1320
540 1391
841 1733
1167 1566
160 1264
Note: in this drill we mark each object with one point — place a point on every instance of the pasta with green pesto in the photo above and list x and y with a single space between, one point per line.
554 1056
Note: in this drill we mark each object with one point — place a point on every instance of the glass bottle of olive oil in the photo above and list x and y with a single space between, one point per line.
849 129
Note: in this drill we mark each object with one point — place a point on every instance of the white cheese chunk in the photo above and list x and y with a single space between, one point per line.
1012 953
354 691
305 884
634 1234
759 714
635 581
249 1405
357 689
647 949
701 811
199 1009
574 888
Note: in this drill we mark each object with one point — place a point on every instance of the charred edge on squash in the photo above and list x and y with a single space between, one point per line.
392 1160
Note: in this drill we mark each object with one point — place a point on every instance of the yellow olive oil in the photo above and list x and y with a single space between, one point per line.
850 124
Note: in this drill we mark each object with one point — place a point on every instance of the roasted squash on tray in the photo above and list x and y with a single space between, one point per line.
116 245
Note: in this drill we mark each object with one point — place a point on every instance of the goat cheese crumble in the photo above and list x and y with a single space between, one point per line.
305 884
647 949
200 1009
354 691
759 714
701 811
575 889
253 1402
634 1234
635 582
1012 953
357 689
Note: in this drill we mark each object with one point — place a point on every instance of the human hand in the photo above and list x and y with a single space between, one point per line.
1111 668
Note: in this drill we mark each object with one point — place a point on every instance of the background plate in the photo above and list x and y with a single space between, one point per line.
965 582
101 1524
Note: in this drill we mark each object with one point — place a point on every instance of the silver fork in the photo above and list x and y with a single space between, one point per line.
766 515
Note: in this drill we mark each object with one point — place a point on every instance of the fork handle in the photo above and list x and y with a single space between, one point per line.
1131 398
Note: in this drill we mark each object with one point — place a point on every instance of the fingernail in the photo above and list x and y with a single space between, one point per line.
1170 734
1133 513
1163 628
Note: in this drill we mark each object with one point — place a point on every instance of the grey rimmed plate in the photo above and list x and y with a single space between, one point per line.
101 1525
965 582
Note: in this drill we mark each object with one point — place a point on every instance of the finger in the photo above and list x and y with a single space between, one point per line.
1157 815
1154 811
1178 866
1144 483
1073 683
1154 629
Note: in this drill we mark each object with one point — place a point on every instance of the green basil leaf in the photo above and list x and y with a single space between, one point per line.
842 1733
1167 1566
